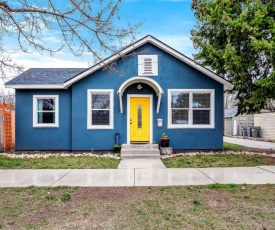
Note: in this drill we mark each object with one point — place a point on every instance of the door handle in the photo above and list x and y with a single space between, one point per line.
130 121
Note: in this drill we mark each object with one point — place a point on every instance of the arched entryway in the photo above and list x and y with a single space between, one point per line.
139 109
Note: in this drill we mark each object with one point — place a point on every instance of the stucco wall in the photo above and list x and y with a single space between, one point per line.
173 74
73 134
29 138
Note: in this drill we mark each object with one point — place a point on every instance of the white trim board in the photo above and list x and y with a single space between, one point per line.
137 79
189 125
35 112
154 41
150 39
89 109
36 86
128 115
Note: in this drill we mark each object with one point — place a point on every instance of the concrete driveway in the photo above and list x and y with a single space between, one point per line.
250 143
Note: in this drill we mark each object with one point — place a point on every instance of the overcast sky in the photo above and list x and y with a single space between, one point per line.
168 20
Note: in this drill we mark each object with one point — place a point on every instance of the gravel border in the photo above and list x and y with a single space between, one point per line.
217 153
47 155
117 155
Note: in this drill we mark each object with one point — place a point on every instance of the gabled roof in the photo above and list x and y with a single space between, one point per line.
230 112
148 39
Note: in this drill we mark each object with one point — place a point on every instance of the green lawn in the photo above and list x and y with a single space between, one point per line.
188 207
233 147
225 160
203 161
59 163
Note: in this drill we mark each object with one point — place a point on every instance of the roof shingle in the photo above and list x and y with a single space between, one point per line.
46 76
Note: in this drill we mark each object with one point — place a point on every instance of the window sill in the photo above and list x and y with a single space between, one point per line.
191 126
46 126
100 127
148 75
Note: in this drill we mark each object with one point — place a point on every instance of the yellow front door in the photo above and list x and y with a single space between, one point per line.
139 119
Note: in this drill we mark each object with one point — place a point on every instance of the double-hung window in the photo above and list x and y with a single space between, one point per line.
45 111
100 109
190 108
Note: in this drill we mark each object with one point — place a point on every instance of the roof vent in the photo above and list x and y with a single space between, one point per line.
148 65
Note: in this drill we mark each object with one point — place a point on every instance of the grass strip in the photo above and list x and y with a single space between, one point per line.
59 163
223 160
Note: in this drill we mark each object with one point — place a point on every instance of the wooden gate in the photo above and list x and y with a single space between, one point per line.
7 124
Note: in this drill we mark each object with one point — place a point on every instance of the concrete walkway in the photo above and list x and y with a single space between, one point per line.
137 177
141 163
250 143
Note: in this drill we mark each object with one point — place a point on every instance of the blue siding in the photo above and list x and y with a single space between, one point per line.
29 138
73 133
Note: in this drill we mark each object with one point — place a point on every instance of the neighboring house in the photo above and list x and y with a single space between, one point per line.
234 123
83 109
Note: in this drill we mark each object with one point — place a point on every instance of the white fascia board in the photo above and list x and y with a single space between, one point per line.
227 85
36 86
107 61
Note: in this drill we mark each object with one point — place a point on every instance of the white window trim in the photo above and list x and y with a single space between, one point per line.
151 115
89 109
141 65
35 114
189 125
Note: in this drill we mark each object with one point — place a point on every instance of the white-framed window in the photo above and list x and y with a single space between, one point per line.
191 108
45 111
100 109
147 65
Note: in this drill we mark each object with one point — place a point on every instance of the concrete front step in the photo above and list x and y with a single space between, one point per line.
130 151
138 155
140 146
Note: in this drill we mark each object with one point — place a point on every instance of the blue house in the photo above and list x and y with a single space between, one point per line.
158 90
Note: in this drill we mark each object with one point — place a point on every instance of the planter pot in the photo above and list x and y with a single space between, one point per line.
164 142
117 149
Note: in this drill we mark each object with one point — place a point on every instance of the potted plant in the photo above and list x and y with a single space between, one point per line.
164 140
117 148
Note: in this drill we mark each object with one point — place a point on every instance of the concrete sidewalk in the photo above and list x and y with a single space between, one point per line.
137 177
250 143
141 163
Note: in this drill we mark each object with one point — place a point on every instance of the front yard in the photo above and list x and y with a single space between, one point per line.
223 160
111 161
201 161
214 206
190 207
68 162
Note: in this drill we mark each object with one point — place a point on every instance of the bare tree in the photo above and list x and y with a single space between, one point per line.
7 96
270 105
84 26
229 100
